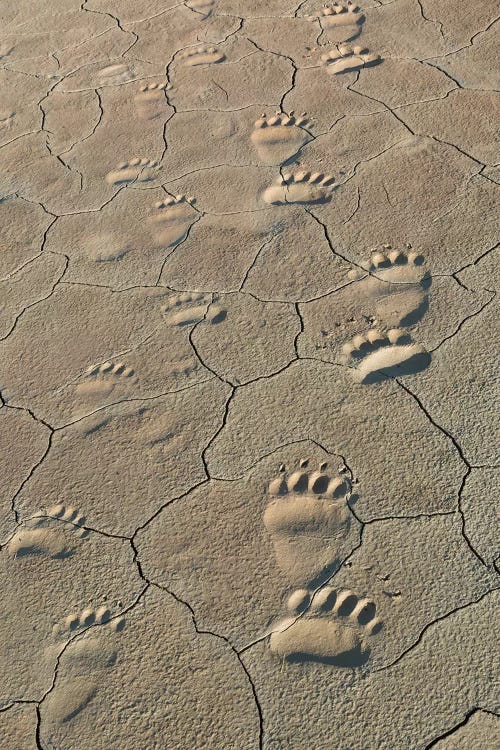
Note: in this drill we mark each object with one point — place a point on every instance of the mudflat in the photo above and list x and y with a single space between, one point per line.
248 355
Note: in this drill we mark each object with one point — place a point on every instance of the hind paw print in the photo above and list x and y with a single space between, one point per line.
309 520
40 536
101 380
189 308
397 285
202 56
339 14
151 100
334 628
172 220
301 187
279 137
346 59
135 170
376 356
84 663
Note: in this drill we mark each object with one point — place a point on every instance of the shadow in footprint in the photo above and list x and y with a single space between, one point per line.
354 658
325 575
415 315
417 363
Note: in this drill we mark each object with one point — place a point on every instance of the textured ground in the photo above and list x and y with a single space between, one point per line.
247 367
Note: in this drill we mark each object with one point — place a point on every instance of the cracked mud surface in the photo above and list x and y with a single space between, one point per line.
248 326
